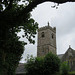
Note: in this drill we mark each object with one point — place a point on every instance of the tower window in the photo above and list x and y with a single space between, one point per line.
52 35
42 34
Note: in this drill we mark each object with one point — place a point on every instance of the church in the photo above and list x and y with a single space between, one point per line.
47 43
69 57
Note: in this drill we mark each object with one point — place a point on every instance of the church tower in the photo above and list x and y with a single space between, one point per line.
46 40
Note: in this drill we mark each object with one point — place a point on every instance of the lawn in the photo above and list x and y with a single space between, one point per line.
72 73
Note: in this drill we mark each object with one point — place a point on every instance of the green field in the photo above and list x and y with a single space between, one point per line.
72 73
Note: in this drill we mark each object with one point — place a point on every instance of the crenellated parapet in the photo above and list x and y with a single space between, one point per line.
47 27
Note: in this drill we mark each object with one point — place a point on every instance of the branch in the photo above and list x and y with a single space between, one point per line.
34 3
61 1
9 5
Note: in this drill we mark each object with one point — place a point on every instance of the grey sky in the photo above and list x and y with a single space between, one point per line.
62 18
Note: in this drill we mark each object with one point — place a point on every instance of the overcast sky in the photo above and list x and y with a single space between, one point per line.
62 18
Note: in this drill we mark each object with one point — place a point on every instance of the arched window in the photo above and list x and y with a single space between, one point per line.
42 34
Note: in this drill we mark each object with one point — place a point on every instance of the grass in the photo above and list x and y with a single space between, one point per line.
72 73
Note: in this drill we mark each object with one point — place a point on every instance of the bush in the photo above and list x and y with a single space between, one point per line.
50 64
64 68
34 66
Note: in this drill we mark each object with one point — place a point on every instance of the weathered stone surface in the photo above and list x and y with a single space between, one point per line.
46 40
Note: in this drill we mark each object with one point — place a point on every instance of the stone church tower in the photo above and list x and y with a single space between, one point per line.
46 40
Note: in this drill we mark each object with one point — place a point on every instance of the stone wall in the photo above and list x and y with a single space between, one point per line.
46 40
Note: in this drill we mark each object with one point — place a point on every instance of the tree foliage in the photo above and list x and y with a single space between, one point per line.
34 66
11 22
10 54
64 68
51 63
48 65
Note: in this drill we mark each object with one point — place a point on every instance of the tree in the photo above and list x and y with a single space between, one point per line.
11 48
9 58
50 64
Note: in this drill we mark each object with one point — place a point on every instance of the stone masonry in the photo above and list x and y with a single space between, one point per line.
46 40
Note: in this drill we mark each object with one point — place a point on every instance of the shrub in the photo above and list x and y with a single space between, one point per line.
64 68
50 64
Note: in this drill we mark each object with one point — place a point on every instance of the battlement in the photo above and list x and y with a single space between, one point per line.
47 27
